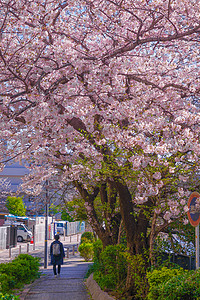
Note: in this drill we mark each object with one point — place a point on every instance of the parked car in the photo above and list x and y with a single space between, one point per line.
23 233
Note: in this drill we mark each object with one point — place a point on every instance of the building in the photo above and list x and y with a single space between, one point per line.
14 173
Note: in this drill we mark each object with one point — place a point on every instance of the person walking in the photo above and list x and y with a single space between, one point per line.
57 254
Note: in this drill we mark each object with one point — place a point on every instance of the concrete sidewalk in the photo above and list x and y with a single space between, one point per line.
69 286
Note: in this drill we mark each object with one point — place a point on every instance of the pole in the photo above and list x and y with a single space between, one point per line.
64 232
34 236
46 228
9 251
197 245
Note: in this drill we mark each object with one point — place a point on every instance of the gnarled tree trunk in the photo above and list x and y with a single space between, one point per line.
136 230
108 232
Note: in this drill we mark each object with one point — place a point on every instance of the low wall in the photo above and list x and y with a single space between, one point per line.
95 291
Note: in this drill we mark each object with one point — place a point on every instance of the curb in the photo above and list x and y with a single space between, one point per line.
95 291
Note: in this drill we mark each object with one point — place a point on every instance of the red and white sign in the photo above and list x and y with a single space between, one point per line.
193 212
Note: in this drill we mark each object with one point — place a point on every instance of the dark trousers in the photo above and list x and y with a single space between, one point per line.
54 269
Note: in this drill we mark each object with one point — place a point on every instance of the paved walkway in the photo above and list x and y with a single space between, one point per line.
69 286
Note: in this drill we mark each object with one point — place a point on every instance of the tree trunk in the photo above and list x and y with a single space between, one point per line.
152 239
120 232
136 231
127 213
112 219
104 234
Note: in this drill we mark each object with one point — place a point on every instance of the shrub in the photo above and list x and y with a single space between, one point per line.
31 263
138 264
86 251
97 248
105 281
20 271
97 265
8 297
112 267
94 268
87 237
7 282
185 286
164 274
158 278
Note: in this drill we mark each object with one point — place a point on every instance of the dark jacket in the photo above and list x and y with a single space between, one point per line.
57 260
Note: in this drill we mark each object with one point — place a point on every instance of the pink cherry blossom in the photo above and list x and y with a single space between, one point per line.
96 92
157 175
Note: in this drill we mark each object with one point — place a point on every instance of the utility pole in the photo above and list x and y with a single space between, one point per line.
46 227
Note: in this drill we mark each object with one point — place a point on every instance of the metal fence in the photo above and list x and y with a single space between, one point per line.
71 228
39 233
74 227
184 261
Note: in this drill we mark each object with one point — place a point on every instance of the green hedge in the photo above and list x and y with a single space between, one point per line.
97 249
86 251
173 283
8 297
87 237
22 270
112 267
185 286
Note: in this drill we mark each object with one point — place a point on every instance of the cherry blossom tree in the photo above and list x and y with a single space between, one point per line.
5 188
105 94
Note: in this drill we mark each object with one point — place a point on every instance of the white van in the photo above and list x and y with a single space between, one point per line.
23 234
59 227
